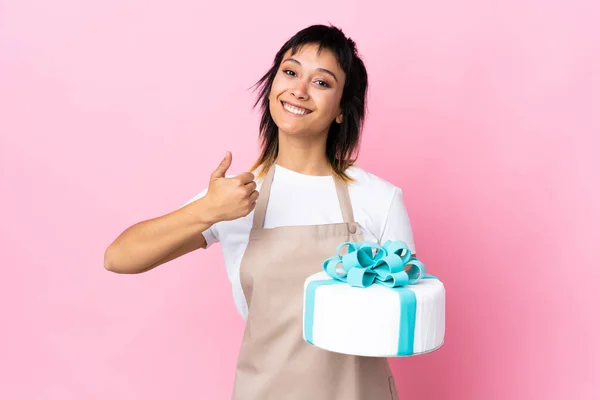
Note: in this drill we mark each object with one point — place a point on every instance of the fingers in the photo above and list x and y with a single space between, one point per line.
245 178
223 166
250 187
254 196
249 192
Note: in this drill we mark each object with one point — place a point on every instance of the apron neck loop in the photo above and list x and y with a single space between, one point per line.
265 191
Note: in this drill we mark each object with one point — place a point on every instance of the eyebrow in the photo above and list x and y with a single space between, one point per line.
326 71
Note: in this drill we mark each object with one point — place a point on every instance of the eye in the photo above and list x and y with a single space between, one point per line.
322 83
289 72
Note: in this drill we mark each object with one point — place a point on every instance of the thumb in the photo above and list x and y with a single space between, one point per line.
223 167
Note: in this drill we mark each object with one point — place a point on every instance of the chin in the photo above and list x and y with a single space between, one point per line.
292 130
289 126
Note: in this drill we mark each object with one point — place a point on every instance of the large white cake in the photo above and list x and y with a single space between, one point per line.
376 321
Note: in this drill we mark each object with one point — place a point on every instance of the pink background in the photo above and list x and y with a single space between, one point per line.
485 113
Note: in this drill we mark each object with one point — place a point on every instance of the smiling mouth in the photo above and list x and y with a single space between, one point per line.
295 110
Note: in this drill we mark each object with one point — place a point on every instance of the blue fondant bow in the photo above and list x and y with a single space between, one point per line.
361 266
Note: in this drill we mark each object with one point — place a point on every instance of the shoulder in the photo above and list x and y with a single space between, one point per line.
368 183
374 199
372 196
380 205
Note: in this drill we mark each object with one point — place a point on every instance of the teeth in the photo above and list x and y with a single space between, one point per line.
295 110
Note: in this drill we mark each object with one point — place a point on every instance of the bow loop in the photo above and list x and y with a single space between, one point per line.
365 263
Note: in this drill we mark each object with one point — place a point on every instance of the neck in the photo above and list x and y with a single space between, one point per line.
305 155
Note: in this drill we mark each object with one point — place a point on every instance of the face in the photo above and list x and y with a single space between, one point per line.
306 92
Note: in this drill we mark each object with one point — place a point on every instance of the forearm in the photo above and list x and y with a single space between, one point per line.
152 242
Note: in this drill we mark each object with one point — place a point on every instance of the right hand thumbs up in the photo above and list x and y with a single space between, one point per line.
223 167
230 198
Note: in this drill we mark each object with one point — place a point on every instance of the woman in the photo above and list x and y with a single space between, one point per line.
313 106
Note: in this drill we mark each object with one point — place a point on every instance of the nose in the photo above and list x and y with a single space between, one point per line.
300 89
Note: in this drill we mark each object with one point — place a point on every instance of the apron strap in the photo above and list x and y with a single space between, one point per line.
344 198
260 210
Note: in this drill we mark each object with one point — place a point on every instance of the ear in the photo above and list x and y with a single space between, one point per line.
340 118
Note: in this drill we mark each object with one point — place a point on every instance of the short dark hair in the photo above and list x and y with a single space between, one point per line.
343 139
